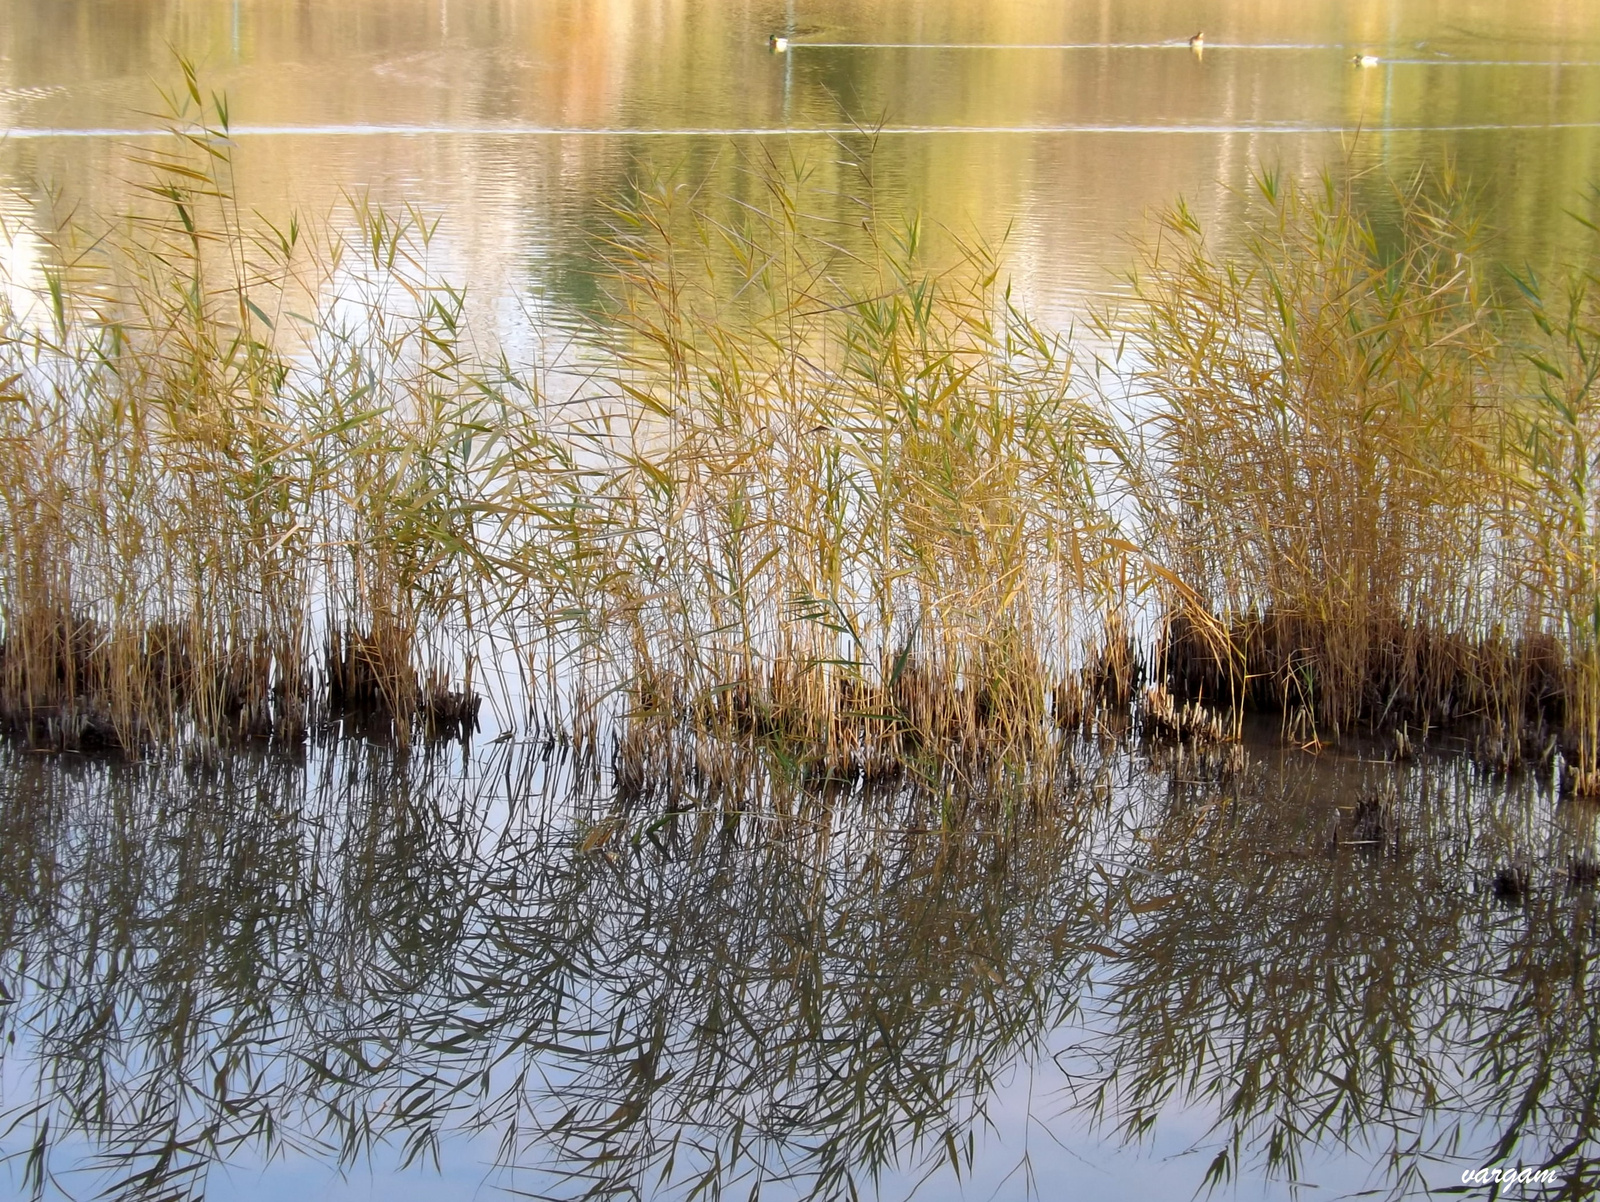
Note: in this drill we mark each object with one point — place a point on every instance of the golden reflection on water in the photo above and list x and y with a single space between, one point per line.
1090 113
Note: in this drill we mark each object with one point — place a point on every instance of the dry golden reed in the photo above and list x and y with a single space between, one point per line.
861 490
830 505
1361 456
212 503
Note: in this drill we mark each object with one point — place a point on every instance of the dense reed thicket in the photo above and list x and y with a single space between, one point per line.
1365 451
218 511
818 496
868 528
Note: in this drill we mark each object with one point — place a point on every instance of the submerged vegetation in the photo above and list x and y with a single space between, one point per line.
810 494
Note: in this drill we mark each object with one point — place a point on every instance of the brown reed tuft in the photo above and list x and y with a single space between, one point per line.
195 481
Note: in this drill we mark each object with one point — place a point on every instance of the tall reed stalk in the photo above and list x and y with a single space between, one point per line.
1551 455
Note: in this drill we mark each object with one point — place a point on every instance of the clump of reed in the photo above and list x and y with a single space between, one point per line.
1360 456
1555 423
199 485
867 527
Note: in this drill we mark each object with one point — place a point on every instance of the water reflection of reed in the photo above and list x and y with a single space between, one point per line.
367 954
1361 980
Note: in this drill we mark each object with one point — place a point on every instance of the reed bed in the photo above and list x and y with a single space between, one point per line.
1359 448
220 514
862 497
815 497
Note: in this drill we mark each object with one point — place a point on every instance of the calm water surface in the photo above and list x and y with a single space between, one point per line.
1062 122
354 975
351 975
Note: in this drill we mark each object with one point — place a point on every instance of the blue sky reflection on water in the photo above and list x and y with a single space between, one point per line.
425 954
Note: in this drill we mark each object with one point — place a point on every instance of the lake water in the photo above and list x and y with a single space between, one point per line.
1062 123
465 973
354 975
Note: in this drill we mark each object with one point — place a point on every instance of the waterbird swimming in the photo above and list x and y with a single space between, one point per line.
777 43
1198 42
1365 60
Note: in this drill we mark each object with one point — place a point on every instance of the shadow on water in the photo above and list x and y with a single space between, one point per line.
360 956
